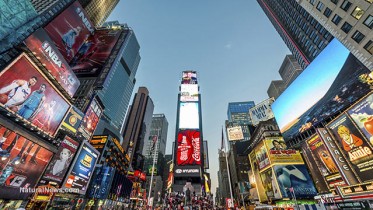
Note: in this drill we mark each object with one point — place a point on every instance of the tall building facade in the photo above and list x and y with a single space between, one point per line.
303 35
98 10
238 115
275 88
349 21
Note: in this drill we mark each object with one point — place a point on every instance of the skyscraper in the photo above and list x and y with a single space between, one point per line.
238 115
303 35
98 10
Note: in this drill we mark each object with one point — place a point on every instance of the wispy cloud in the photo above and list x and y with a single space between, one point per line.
228 46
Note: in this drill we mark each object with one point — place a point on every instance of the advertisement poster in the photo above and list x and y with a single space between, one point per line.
188 92
279 153
235 133
324 161
69 30
22 163
256 181
354 146
59 164
261 156
90 120
95 51
25 91
189 77
362 115
188 147
82 168
103 178
269 183
72 120
296 178
46 52
261 112
189 115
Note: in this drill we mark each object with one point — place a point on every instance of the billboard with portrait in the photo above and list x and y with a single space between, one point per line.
22 163
189 77
270 184
294 179
82 169
235 133
188 147
188 92
261 112
69 30
94 52
189 115
46 52
25 91
91 118
262 156
354 146
72 120
326 86
279 153
60 162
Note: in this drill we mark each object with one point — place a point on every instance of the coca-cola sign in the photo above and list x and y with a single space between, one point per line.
188 147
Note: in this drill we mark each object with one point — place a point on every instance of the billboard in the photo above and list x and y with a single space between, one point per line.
235 133
294 179
206 161
261 156
69 30
82 168
22 163
188 92
188 147
60 162
25 91
256 181
46 52
187 171
353 146
98 142
189 77
279 153
326 86
261 112
91 118
72 120
269 182
94 52
189 115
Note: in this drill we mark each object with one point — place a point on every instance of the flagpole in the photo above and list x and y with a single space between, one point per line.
229 173
151 179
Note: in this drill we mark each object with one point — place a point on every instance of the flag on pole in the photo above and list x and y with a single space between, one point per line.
222 139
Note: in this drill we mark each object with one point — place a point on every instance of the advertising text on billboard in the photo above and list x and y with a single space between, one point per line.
72 120
235 133
262 111
279 153
188 92
188 147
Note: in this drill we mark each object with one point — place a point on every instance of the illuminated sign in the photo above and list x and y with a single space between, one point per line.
189 77
261 156
116 142
235 133
359 189
91 118
72 120
189 92
261 112
189 115
279 153
188 147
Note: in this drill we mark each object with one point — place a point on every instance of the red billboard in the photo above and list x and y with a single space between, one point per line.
90 120
25 91
95 51
188 147
22 163
69 30
46 52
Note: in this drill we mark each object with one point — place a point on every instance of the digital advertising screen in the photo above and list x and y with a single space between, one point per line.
261 112
188 147
188 92
82 168
269 182
279 153
235 133
26 92
72 120
46 52
328 85
94 52
22 163
262 156
189 77
294 179
69 30
60 162
90 120
189 116
354 146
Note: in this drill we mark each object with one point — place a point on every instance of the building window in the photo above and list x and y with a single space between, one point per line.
358 36
357 13
327 12
346 5
346 27
369 47
336 19
312 2
334 1
320 6
369 22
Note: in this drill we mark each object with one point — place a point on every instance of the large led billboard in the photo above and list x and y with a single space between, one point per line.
189 115
330 83
69 30
94 52
46 52
25 91
22 162
188 147
188 92
189 77
235 133
261 112
90 120
82 169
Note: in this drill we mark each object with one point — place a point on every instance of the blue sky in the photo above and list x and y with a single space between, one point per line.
230 43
